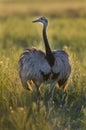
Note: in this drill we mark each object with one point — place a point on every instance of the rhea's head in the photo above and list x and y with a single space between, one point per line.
42 20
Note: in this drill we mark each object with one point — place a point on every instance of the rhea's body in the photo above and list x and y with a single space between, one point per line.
51 67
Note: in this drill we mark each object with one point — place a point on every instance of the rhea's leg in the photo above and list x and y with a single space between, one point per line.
51 93
38 97
64 96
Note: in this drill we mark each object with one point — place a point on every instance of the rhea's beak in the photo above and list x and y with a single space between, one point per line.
37 20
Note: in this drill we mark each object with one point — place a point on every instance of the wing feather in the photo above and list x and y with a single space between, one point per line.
32 62
62 65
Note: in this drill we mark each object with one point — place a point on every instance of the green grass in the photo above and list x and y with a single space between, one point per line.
18 108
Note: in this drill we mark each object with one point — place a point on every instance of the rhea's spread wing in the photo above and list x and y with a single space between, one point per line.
62 66
31 65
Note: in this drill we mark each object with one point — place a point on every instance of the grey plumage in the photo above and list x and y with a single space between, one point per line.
38 67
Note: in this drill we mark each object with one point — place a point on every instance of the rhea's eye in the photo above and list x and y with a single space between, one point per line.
42 19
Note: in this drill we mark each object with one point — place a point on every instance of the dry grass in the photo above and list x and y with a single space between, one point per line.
34 8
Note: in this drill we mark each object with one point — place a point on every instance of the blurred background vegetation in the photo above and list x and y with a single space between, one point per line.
66 30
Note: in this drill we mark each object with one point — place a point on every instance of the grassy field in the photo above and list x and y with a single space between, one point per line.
66 30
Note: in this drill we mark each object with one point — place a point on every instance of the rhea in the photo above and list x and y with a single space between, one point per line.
49 67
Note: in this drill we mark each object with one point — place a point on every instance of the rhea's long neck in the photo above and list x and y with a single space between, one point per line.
49 54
